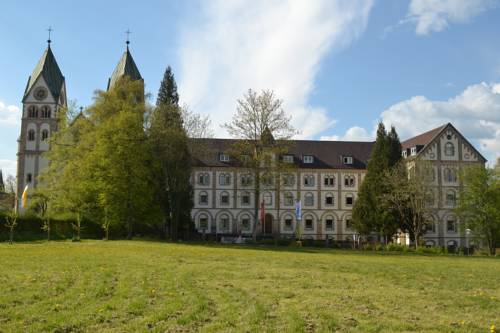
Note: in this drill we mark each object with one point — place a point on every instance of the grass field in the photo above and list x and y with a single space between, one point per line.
138 286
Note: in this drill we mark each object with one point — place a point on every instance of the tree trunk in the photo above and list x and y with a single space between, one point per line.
11 238
256 205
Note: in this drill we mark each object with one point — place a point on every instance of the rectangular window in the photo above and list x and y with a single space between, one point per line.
309 200
203 199
288 158
245 199
329 200
349 181
224 199
288 199
347 159
224 157
309 180
309 224
329 224
246 180
348 200
329 181
308 159
288 180
451 226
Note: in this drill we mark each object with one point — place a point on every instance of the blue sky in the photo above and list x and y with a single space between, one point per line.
339 66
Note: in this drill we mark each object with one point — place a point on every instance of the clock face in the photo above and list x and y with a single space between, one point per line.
40 93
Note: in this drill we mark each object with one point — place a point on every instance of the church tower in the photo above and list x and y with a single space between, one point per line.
125 67
44 95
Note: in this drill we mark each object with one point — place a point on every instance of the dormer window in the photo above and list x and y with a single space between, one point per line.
288 158
308 159
347 159
223 157
414 151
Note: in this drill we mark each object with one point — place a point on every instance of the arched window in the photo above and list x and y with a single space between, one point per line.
203 222
245 223
329 223
309 199
308 223
268 198
450 175
224 223
449 149
451 198
45 111
204 178
225 179
203 198
309 180
349 181
451 225
45 135
33 111
288 199
288 223
224 199
329 201
31 135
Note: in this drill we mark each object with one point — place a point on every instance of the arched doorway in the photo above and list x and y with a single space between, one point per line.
268 224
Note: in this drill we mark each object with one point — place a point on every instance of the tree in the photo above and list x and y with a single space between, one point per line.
408 187
39 204
368 213
10 184
263 128
2 185
11 223
479 204
172 159
167 94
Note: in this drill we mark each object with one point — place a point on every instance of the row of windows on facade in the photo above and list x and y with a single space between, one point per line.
307 159
33 111
287 180
267 197
449 175
450 198
32 135
288 223
449 150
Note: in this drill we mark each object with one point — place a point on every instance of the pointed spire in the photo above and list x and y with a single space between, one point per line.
49 40
126 66
47 68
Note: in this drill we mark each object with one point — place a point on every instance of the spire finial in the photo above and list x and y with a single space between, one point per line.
49 30
128 32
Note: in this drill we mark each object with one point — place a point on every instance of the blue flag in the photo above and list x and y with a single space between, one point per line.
298 210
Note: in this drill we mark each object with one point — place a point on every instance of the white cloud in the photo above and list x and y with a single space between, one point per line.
475 113
264 44
355 133
436 15
8 167
9 114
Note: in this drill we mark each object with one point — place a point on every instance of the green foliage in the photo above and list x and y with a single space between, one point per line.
479 204
167 94
368 213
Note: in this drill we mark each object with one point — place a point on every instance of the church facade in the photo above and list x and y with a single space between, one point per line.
325 179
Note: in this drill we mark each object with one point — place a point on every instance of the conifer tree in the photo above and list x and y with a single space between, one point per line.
172 159
2 186
368 213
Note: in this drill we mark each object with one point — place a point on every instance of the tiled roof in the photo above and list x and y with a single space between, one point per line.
327 154
47 67
126 66
422 139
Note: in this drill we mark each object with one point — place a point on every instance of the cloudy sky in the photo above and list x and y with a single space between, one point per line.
340 66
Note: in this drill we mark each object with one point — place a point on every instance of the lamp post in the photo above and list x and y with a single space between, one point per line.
467 241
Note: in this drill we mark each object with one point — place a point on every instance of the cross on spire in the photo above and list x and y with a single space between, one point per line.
128 32
49 30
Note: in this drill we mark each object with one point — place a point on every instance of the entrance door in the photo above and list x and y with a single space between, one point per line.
268 224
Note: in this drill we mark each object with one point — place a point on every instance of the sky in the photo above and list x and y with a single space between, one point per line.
340 67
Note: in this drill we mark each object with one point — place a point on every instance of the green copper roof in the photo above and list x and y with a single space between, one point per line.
126 66
47 67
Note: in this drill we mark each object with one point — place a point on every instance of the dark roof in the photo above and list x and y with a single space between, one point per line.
47 67
126 66
327 154
422 139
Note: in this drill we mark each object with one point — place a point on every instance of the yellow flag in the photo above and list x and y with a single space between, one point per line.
24 197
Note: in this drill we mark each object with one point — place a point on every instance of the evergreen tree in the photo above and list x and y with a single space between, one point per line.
2 186
368 213
167 94
172 160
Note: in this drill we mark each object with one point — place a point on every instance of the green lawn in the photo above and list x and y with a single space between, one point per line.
137 286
